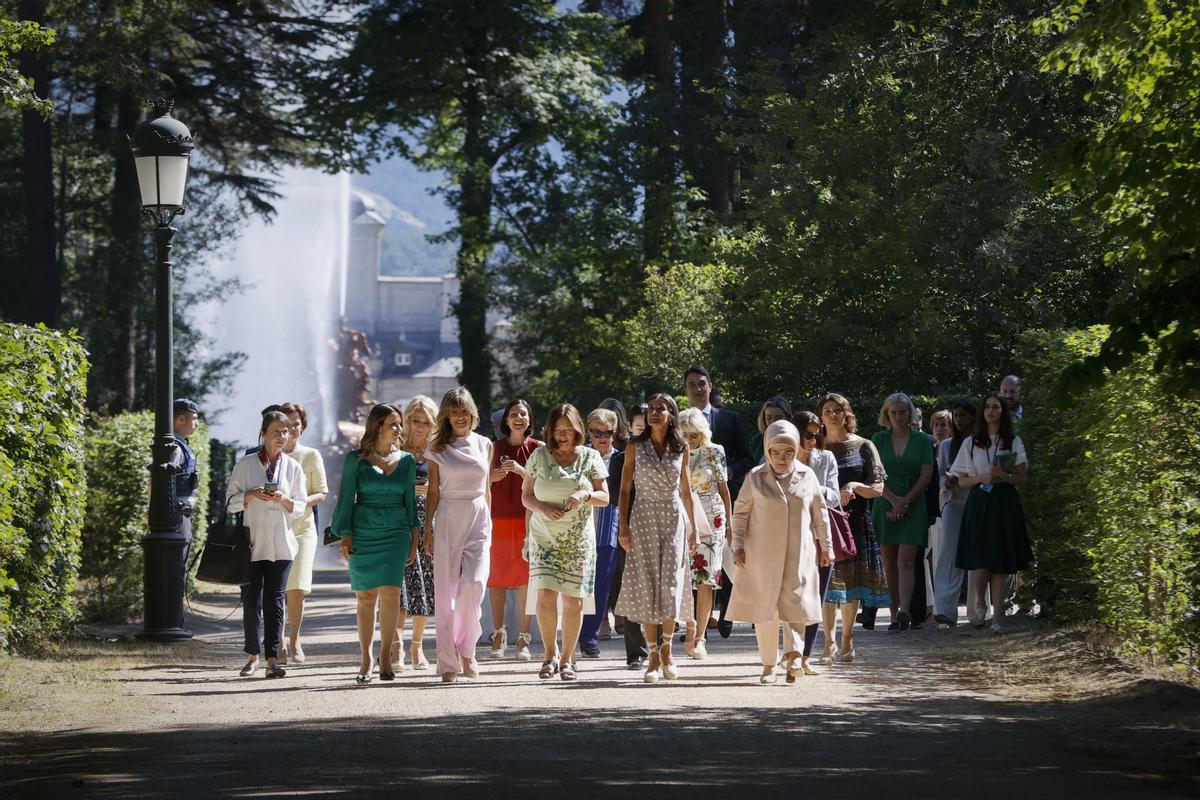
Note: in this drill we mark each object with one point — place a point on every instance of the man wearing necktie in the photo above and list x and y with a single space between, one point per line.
729 431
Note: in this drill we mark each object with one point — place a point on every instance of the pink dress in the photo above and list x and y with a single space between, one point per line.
462 531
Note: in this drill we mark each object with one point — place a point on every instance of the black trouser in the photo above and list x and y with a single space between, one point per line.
810 633
264 595
635 640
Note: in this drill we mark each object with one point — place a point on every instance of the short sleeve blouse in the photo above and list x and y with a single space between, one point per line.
973 460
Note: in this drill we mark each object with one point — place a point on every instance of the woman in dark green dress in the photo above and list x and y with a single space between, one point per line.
899 514
375 517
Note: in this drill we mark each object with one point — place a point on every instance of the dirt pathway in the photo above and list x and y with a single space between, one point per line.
916 716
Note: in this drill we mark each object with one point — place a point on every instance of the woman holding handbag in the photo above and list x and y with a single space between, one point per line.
860 477
812 454
271 490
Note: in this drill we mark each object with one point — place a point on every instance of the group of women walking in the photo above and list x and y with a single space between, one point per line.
641 516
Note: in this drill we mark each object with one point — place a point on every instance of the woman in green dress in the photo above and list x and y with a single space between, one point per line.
375 517
899 514
563 482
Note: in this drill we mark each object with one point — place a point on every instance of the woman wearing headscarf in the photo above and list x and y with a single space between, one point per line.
779 525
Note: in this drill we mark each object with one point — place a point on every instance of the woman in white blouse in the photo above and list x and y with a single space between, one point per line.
993 542
272 491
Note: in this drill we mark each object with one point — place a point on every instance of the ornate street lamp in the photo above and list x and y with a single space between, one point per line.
161 147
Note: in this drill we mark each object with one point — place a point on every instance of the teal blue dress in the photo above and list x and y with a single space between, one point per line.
378 512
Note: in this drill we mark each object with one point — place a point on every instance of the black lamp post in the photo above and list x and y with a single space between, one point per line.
161 147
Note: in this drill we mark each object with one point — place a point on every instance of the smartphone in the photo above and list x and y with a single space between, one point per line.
271 487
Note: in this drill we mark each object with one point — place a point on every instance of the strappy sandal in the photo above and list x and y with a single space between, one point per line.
418 656
567 672
499 642
829 655
653 665
669 670
548 669
523 642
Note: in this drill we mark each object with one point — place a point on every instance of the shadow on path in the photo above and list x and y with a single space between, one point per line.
914 747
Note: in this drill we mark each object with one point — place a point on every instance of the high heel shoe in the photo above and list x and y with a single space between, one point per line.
847 655
792 669
363 678
829 655
470 667
418 657
499 642
768 675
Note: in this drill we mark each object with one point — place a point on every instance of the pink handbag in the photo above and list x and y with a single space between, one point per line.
843 538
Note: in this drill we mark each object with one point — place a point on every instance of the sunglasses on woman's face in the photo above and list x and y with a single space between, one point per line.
600 434
811 435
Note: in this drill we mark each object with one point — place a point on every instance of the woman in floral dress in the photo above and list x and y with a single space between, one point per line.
709 474
419 415
563 482
860 476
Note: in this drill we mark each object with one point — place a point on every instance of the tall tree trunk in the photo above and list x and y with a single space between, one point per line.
43 302
475 229
658 138
126 261
702 30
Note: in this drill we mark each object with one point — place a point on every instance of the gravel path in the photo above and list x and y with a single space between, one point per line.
898 723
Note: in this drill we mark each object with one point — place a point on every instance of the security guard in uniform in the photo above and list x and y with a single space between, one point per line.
187 479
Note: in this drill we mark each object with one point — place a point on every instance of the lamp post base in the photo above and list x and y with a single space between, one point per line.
166 635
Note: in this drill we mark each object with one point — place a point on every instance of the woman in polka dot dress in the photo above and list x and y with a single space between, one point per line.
659 534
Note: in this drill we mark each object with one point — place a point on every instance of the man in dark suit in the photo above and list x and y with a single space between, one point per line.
729 431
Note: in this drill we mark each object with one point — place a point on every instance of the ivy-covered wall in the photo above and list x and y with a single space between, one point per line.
43 376
1112 502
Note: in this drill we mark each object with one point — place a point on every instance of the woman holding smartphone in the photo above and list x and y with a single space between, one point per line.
509 568
993 542
272 491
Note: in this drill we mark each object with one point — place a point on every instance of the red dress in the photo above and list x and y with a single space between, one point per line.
509 567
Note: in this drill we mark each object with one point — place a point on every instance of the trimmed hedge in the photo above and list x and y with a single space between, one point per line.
43 376
118 451
1112 502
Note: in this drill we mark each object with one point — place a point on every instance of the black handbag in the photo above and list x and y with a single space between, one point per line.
226 556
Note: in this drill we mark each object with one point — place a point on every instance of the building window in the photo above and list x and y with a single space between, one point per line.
403 359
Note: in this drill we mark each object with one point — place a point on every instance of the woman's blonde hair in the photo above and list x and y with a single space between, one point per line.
375 420
942 414
896 398
419 403
443 433
691 420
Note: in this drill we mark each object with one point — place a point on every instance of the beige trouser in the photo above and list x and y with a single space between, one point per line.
768 640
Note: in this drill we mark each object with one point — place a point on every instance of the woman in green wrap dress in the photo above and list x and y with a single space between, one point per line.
375 517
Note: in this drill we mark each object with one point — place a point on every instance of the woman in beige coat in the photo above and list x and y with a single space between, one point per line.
778 527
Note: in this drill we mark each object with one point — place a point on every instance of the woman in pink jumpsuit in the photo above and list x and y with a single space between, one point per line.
458 517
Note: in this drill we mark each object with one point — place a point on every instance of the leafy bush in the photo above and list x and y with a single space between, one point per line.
118 451
42 386
1112 500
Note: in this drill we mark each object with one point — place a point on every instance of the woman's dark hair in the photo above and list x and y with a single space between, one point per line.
675 441
850 420
375 419
982 438
298 410
640 408
268 418
779 402
957 437
505 430
571 414
614 405
805 418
